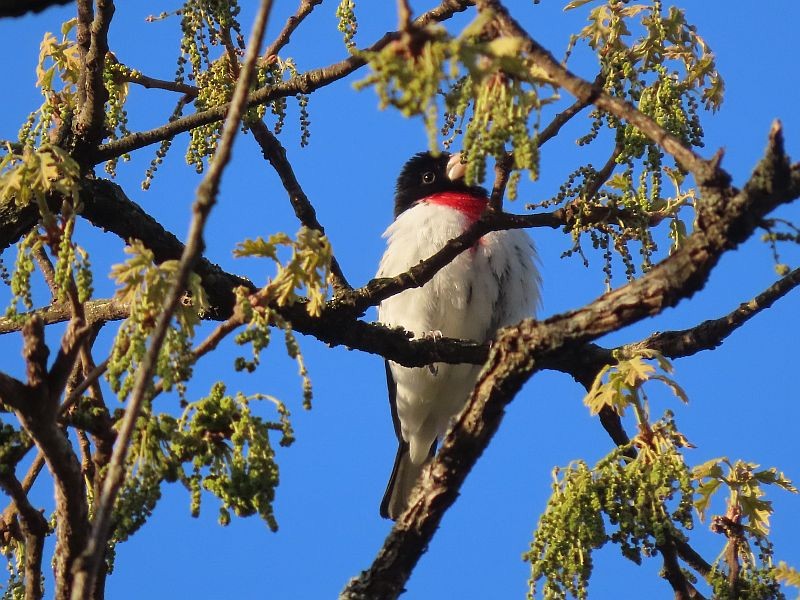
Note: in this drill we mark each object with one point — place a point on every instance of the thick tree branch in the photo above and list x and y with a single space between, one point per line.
92 94
729 216
106 206
17 8
37 413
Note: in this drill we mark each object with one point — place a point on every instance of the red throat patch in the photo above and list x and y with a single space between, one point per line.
470 206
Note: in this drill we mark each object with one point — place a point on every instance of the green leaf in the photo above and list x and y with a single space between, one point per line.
773 477
757 512
706 491
787 575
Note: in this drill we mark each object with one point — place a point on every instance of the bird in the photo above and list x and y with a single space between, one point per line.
494 284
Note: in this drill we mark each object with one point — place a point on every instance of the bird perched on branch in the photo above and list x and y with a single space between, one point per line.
491 285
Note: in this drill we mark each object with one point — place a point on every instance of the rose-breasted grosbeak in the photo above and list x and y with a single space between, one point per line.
491 285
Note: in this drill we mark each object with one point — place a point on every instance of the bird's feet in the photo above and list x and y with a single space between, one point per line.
435 336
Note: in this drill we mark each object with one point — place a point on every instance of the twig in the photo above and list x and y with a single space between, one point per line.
561 119
585 91
305 8
403 15
206 198
89 380
161 84
306 83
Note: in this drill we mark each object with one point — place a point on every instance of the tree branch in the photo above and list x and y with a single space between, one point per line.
305 8
11 510
275 153
590 93
92 93
672 570
518 351
206 198
37 413
34 529
106 206
17 8
304 83
160 84
502 170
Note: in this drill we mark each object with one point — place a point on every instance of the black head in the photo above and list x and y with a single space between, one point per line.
425 174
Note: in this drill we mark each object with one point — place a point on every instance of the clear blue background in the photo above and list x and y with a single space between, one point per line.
743 396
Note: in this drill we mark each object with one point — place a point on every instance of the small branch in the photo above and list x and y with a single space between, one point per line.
27 483
672 570
305 83
89 380
692 558
46 267
96 310
160 84
587 92
34 530
562 119
206 197
604 173
502 170
378 289
275 153
305 8
711 333
403 15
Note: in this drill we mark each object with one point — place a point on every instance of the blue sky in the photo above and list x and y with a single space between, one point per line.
743 396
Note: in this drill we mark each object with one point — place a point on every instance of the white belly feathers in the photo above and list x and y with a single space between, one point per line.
489 286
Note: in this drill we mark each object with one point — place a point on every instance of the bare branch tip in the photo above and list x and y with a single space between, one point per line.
776 138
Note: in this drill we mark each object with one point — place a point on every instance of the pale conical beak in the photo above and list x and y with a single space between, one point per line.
455 168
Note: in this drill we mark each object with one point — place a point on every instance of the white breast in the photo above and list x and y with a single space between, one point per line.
489 286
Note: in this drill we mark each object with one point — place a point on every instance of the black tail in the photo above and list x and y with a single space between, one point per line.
404 476
404 472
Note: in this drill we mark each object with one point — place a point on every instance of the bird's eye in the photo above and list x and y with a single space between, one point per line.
428 177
